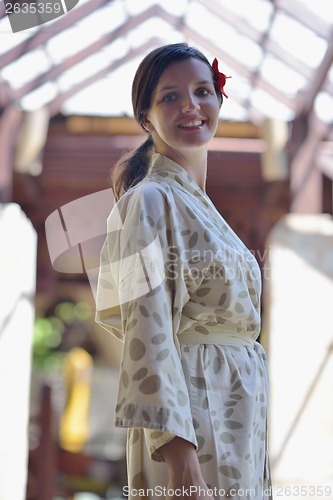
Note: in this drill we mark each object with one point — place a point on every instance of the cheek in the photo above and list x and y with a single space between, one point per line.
211 105
162 122
216 111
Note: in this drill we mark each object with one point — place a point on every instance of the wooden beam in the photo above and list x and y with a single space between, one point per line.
325 165
157 11
225 57
325 154
120 125
273 47
125 125
256 35
43 35
10 119
2 10
305 178
56 71
306 17
55 105
6 93
307 97
46 466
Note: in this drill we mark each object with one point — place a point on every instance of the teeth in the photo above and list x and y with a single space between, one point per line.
195 123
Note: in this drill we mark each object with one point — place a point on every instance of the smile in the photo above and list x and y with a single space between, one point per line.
194 123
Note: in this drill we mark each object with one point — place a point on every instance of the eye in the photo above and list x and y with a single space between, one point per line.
169 97
203 92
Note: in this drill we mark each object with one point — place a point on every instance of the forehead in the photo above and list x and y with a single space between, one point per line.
183 72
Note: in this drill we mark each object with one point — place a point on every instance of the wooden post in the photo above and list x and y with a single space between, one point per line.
47 449
305 177
10 118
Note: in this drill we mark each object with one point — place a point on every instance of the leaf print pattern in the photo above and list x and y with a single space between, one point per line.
203 282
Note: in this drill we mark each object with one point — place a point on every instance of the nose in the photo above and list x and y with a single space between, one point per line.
190 103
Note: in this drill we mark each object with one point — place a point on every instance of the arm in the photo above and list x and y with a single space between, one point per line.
141 303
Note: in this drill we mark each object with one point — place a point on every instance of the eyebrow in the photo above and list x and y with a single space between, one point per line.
170 87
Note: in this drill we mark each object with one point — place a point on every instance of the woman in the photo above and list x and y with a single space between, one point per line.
182 292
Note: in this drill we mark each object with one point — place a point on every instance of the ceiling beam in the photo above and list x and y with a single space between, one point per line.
245 29
2 10
126 27
6 93
225 56
306 17
68 63
305 178
174 21
55 105
271 46
43 35
306 99
154 11
189 33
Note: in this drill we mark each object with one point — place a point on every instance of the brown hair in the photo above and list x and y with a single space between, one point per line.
134 166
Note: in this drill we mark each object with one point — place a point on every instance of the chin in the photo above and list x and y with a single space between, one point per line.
196 142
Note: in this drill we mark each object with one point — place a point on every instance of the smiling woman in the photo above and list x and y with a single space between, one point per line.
182 292
183 114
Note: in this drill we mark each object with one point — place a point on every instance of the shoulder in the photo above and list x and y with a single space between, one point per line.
148 200
149 195
141 214
150 187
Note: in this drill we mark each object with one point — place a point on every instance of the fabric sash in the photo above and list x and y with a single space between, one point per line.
216 336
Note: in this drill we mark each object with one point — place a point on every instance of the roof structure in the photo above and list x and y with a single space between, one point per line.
279 53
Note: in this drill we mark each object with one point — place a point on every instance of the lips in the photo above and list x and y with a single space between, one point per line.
191 123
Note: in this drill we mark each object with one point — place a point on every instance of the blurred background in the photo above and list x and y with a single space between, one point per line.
65 118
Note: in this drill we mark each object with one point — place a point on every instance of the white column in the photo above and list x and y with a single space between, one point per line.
299 330
17 288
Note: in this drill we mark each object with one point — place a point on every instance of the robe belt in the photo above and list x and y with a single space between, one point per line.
216 336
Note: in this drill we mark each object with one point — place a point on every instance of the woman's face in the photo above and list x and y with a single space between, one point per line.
184 108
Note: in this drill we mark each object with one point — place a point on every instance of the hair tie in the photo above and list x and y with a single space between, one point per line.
221 77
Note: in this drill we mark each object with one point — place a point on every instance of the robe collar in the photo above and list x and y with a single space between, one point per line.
171 172
169 169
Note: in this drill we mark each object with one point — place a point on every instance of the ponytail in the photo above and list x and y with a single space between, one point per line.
131 168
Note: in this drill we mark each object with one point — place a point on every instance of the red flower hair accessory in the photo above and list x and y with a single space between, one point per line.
221 77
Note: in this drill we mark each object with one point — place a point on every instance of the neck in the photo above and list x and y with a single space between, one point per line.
192 160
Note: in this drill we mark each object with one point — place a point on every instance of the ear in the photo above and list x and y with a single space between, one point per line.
147 124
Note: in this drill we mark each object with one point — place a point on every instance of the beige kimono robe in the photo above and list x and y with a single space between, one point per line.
182 292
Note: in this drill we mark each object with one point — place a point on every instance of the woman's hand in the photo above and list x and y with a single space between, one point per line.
185 478
197 490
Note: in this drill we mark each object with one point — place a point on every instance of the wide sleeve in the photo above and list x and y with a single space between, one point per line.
141 292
